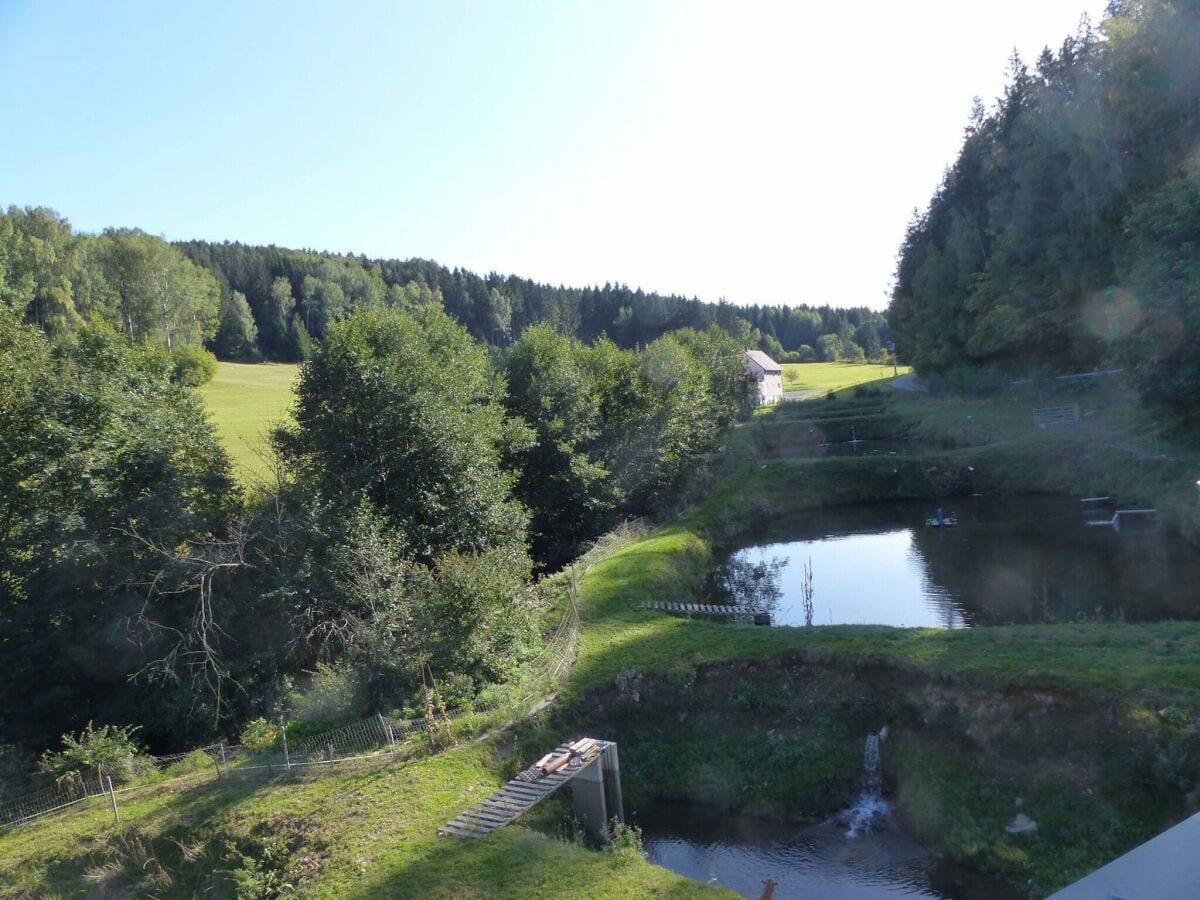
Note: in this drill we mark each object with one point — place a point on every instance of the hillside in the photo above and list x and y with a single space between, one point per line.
1064 237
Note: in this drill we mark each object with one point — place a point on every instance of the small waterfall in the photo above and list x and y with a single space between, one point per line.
870 809
872 780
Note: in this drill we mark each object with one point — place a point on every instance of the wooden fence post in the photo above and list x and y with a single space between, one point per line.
113 796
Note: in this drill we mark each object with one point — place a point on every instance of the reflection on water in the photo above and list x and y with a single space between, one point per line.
818 862
1011 561
755 582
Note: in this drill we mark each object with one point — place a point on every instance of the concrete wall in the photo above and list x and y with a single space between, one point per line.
1164 868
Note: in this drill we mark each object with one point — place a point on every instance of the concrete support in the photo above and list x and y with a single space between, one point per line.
587 790
612 783
596 791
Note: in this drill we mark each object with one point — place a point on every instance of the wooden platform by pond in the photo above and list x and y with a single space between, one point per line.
521 794
706 609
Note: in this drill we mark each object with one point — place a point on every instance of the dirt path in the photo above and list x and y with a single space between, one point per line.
909 382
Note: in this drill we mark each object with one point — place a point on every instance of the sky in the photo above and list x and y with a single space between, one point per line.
760 152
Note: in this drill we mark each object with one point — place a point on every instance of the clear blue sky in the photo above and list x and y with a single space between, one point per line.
765 152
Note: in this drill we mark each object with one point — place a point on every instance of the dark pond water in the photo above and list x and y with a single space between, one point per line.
818 862
1017 560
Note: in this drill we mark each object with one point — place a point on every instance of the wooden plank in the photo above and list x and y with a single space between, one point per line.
510 810
524 787
522 794
525 800
465 829
451 828
482 813
483 821
506 803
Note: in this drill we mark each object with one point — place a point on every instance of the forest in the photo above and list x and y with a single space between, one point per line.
427 483
1066 235
249 303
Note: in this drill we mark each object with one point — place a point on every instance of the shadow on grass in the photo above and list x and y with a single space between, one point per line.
519 863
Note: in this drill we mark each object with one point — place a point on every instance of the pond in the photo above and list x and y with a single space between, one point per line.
819 862
1006 561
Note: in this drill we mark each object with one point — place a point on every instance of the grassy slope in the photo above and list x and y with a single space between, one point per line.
245 401
362 833
826 376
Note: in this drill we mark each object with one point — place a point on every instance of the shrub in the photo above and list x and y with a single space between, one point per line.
108 750
623 839
196 761
334 695
193 366
259 735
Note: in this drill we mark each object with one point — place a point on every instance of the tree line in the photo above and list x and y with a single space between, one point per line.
249 303
1065 235
315 289
427 481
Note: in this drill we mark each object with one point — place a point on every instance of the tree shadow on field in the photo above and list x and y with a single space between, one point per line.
518 863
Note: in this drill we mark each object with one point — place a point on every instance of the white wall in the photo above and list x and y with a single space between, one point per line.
771 388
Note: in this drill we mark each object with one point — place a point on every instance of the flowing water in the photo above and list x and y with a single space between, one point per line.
1016 560
861 853
870 811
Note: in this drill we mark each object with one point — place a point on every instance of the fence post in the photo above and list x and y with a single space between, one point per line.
113 796
573 591
287 760
387 732
224 765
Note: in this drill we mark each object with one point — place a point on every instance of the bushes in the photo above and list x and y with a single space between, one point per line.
193 366
109 749
259 735
334 695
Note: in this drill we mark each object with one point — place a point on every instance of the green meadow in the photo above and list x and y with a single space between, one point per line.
834 376
245 400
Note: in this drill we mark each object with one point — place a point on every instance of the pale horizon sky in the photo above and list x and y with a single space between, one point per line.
760 152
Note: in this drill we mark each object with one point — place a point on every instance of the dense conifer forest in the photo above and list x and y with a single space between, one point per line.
1066 236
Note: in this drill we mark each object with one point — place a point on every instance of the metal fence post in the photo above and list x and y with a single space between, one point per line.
387 732
287 760
224 764
113 796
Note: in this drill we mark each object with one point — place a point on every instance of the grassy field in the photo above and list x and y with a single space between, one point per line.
244 401
819 376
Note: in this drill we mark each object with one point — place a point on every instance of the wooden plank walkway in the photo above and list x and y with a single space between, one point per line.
709 609
516 798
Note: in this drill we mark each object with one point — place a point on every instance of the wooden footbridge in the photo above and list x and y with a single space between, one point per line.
591 766
759 616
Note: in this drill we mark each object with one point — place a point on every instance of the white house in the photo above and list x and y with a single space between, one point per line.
767 374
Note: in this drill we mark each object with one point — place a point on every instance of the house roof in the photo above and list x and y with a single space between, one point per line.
763 361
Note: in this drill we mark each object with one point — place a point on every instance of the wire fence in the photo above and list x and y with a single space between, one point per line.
375 737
